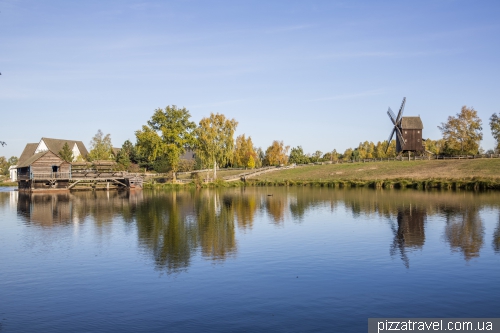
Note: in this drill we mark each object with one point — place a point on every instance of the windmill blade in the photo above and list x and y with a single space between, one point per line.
400 137
400 113
390 138
392 116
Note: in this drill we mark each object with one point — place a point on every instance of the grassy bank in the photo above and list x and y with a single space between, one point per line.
480 174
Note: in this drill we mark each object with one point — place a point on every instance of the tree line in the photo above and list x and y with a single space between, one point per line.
170 133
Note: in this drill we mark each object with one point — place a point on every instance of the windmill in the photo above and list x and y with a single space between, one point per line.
408 131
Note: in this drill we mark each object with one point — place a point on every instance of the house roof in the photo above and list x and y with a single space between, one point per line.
412 123
31 159
28 151
56 145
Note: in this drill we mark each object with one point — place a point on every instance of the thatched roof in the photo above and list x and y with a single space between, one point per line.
28 151
58 144
411 123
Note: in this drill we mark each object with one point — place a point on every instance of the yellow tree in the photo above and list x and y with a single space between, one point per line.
215 142
244 151
277 153
463 132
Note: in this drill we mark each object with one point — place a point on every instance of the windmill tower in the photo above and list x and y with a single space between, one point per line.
408 131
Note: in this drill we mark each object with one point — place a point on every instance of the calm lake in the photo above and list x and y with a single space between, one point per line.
245 259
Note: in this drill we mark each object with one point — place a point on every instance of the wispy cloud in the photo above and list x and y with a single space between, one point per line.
350 96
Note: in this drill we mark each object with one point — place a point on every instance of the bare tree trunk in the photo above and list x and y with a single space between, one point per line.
215 170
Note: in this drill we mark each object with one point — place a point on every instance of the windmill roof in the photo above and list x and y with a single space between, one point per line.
28 151
412 123
57 145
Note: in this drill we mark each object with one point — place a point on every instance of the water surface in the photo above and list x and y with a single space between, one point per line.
255 259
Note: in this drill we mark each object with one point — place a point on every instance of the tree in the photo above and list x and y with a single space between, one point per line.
13 160
297 156
165 138
495 129
244 151
462 133
277 153
126 155
100 147
215 142
66 153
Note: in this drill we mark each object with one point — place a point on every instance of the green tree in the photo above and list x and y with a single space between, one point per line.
495 129
126 155
13 160
462 133
166 136
215 142
297 156
66 153
100 147
4 166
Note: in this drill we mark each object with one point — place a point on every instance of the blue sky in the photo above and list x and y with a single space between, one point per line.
320 74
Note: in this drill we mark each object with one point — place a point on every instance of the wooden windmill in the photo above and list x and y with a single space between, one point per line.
408 131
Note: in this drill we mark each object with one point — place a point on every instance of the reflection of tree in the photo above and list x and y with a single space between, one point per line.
163 228
216 226
464 231
496 237
275 206
410 232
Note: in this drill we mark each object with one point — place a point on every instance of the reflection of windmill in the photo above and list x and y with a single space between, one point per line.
408 131
409 233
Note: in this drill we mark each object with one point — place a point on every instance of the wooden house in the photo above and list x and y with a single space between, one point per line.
44 170
56 145
411 130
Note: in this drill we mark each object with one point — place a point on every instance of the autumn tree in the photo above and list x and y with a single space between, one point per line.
244 154
215 142
165 138
277 153
66 153
462 133
100 147
495 129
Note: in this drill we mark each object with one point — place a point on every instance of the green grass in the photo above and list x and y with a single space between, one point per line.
411 170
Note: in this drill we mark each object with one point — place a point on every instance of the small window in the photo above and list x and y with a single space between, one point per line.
55 168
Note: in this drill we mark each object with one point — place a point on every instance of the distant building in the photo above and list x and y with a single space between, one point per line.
13 173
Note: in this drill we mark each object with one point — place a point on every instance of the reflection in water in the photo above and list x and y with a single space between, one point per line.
496 237
409 233
172 227
464 231
64 208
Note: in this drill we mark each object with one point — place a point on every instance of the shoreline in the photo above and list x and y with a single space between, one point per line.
469 184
